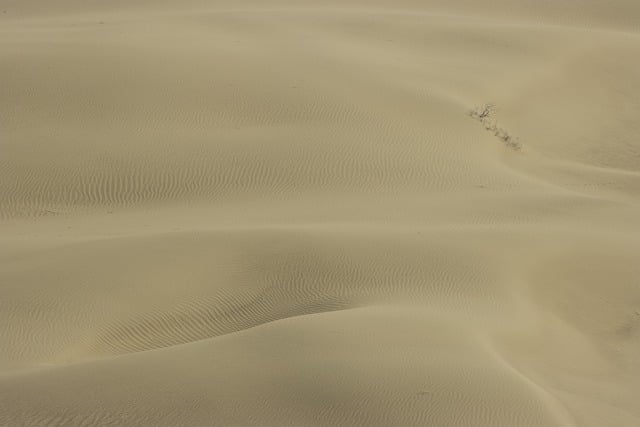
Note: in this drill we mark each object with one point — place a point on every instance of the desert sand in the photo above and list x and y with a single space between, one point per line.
282 213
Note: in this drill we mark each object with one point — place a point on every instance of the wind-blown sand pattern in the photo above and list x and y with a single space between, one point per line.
283 214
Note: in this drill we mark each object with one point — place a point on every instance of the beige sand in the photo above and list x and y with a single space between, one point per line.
280 213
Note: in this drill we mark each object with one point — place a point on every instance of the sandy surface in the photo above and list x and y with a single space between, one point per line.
280 213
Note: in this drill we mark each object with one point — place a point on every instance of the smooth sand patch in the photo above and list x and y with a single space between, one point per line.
281 213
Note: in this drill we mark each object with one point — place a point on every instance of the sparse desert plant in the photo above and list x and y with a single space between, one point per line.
489 125
509 140
483 114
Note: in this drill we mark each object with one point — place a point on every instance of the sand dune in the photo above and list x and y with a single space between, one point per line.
282 213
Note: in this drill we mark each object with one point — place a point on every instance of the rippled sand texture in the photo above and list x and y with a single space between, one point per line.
281 213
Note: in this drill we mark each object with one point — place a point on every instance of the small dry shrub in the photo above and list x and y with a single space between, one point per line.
483 114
